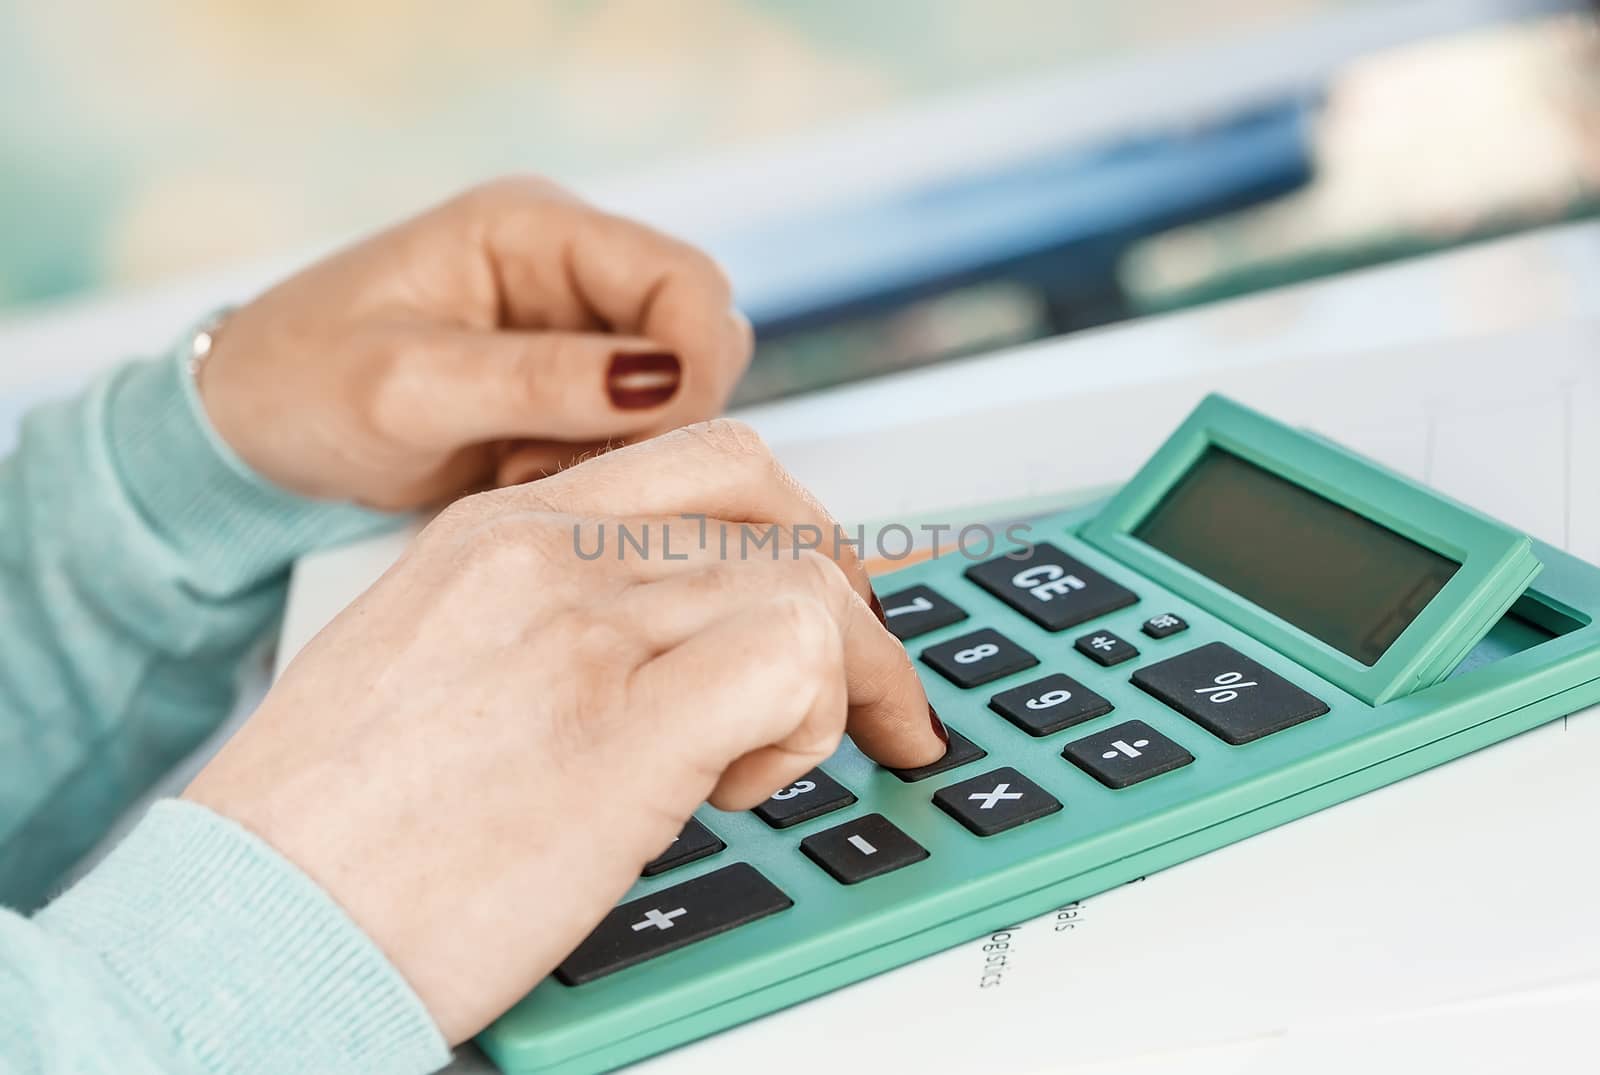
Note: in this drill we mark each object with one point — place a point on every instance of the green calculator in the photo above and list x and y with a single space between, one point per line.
1258 625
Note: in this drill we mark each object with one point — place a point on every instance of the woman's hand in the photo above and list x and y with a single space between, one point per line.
480 754
488 341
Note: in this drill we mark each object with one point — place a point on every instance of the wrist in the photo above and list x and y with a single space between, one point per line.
220 413
200 498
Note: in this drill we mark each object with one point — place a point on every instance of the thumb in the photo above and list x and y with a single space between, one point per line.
570 386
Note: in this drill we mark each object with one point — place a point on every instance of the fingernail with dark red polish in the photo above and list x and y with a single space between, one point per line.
938 726
877 610
641 379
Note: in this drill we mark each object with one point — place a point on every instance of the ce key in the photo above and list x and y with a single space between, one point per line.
1052 589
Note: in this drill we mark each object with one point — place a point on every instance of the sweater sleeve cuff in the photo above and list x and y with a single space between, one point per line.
253 966
194 491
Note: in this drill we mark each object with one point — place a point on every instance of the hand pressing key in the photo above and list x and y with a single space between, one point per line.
479 755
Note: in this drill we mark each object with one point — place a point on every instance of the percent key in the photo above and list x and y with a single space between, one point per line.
1229 695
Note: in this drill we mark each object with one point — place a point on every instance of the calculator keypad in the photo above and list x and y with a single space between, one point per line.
1229 695
1233 697
960 751
1123 756
667 920
1048 705
862 848
918 610
1052 589
996 801
1105 649
978 657
694 843
811 796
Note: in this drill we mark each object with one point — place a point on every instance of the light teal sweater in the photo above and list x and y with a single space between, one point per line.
139 559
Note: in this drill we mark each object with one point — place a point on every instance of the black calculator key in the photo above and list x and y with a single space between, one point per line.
960 751
811 796
1105 648
861 848
1164 626
916 611
1051 588
978 657
694 843
1122 756
672 918
1048 705
1229 695
996 801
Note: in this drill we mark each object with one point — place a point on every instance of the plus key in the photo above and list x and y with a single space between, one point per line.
671 918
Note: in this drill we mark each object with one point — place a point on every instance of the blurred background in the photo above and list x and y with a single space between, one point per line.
1170 153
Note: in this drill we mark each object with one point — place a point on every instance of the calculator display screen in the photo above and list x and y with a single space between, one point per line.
1336 575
